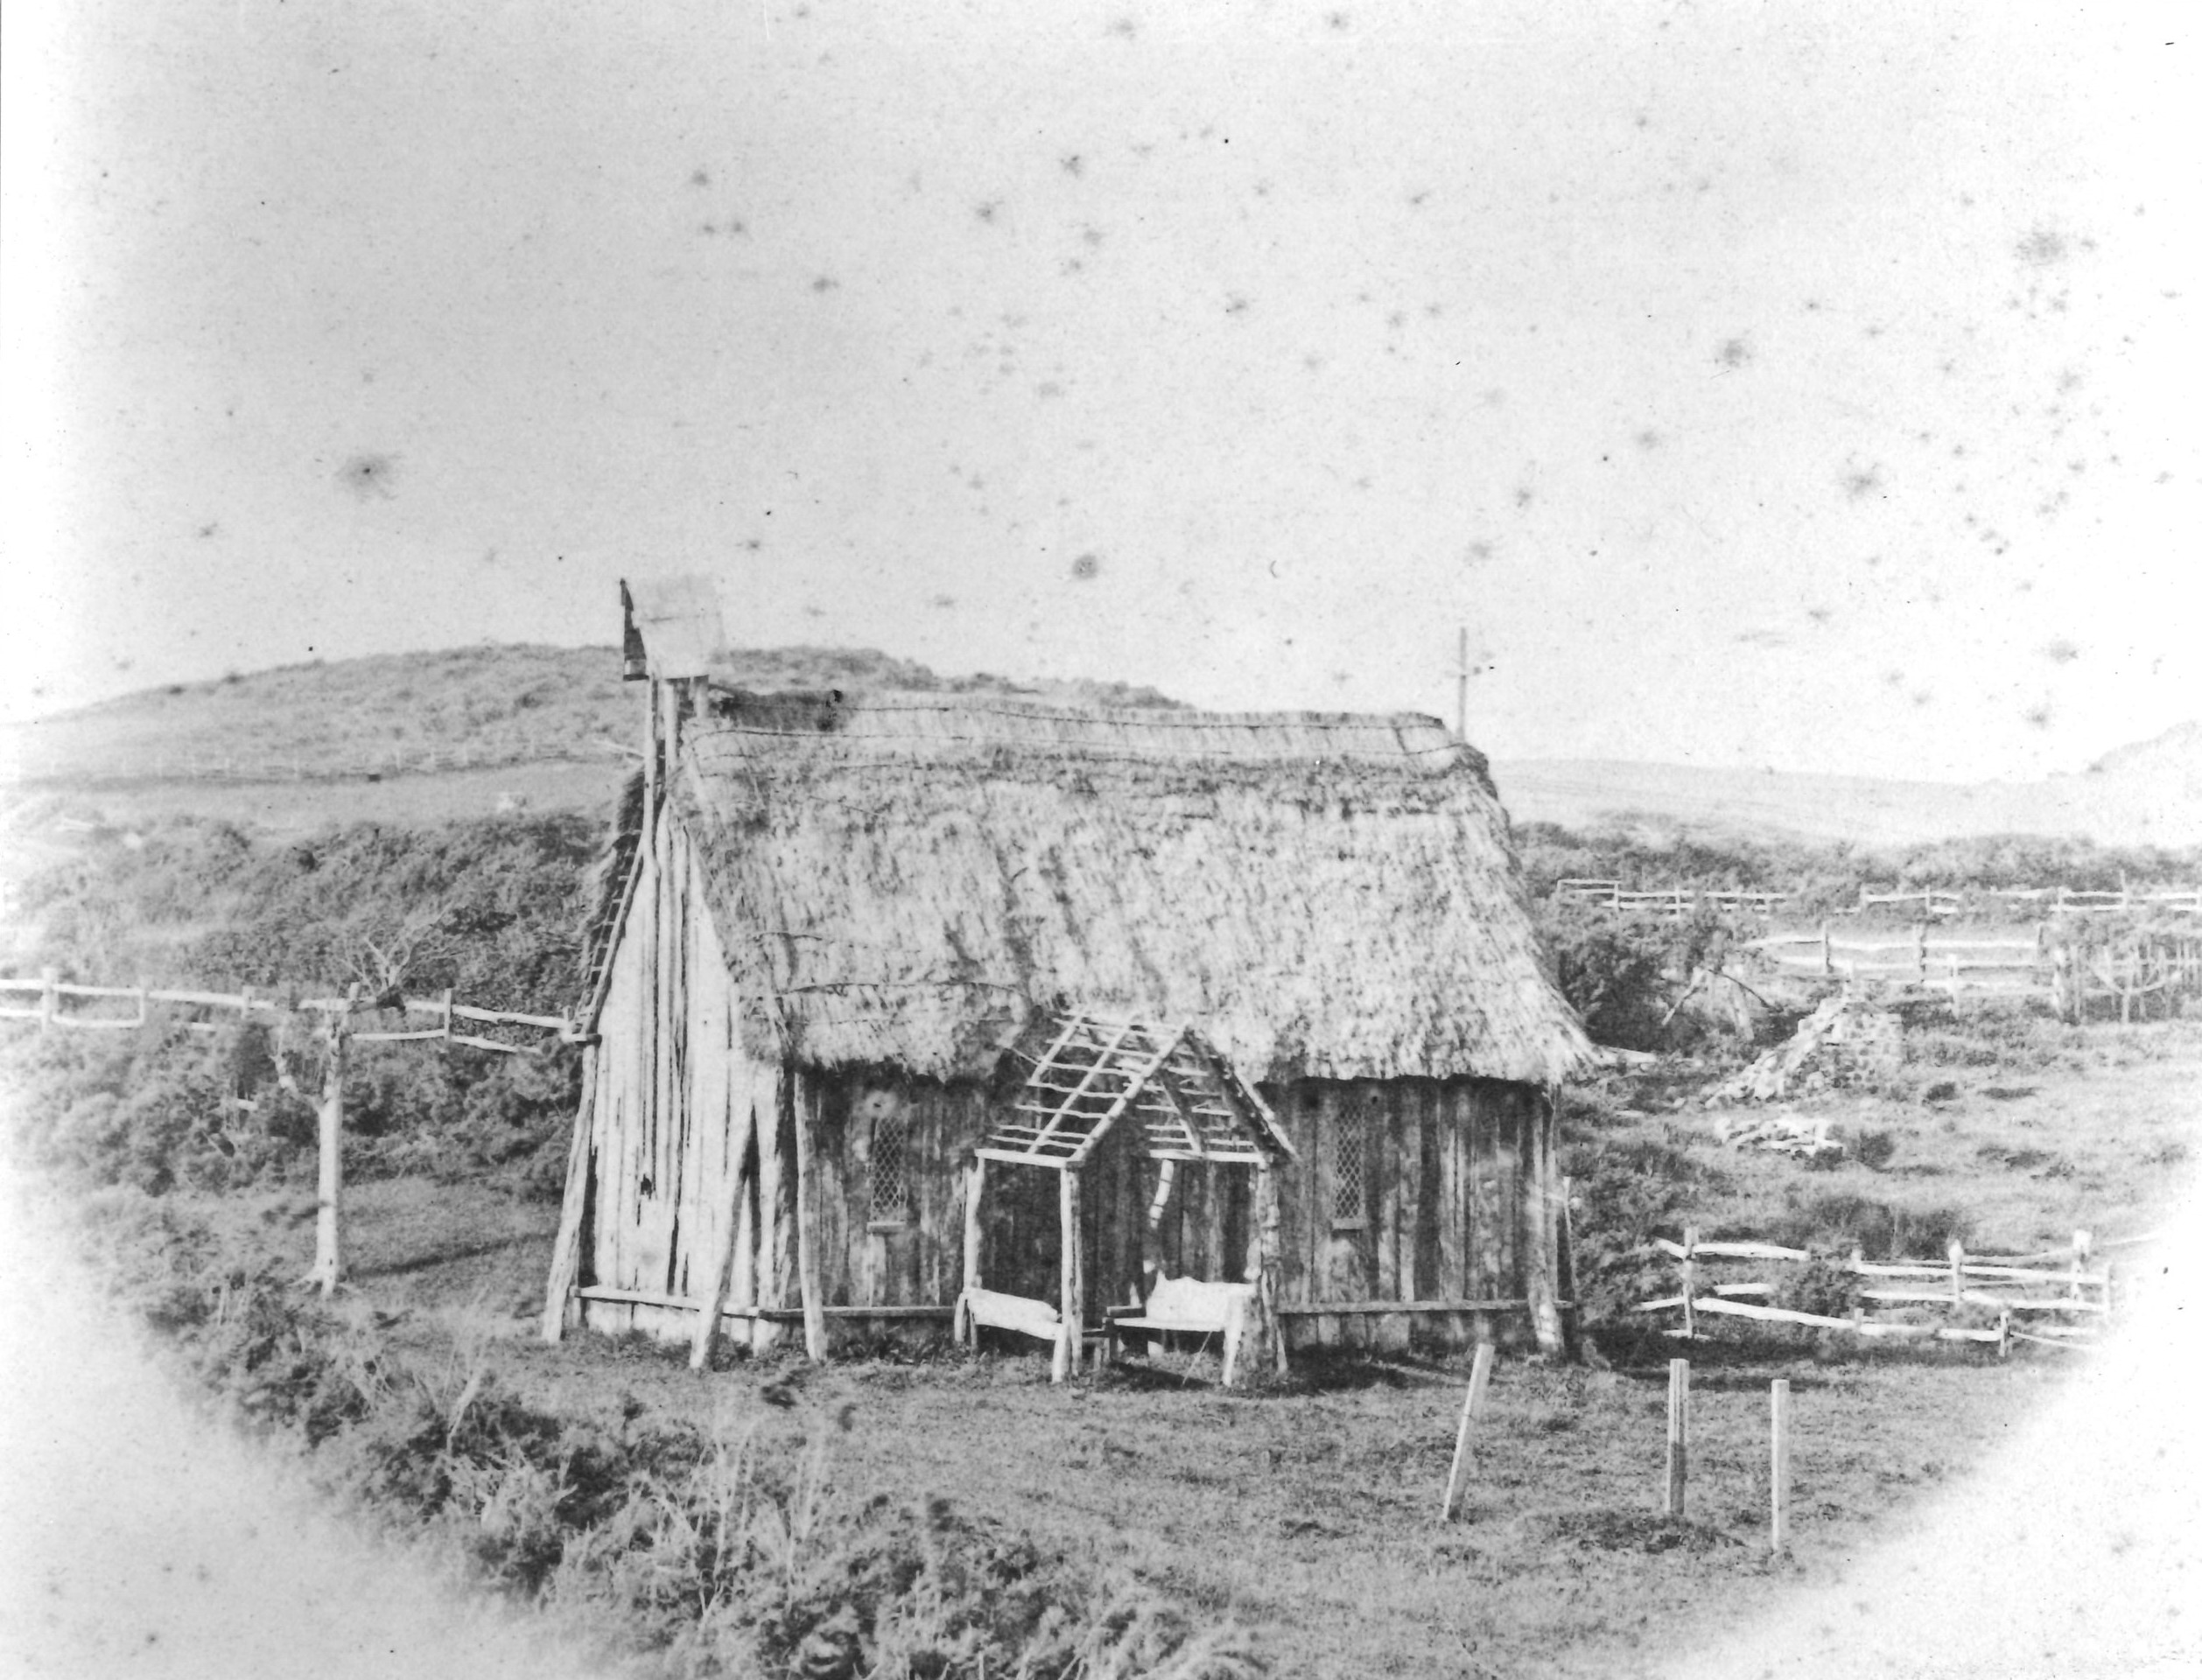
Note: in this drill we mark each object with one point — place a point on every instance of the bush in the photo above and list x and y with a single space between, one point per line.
1838 1222
1625 975
734 1552
1626 1193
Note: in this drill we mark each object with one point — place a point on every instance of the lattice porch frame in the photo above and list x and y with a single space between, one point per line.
1188 1099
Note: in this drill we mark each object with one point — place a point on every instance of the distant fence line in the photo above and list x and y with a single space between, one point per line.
1931 903
2066 971
1673 901
263 767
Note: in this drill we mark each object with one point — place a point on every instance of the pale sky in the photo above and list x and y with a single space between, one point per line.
1801 386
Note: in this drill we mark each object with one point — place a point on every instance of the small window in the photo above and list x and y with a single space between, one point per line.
890 1179
1349 1178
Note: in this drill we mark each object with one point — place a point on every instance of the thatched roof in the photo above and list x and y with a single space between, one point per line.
906 879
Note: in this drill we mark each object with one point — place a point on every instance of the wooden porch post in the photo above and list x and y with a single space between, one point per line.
1071 1334
1264 1341
565 1255
974 1243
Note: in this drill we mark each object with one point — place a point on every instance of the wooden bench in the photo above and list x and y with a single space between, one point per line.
1187 1306
990 1309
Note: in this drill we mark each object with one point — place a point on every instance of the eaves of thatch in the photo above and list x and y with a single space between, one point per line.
903 880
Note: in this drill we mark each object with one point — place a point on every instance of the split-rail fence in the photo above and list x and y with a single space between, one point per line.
2062 1297
335 1031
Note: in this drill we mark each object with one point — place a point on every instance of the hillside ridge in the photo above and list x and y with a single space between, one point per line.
510 714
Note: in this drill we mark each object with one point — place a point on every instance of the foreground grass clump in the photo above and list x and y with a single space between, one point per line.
733 1544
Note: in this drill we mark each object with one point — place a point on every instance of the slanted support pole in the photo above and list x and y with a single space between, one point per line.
1071 1334
565 1255
744 1121
805 1091
1479 1380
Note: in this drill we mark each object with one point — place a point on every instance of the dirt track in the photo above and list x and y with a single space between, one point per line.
136 1540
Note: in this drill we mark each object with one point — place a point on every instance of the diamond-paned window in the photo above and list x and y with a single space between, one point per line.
890 1179
1349 1179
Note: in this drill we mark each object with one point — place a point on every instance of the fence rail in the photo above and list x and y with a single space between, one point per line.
2067 972
1676 901
1933 903
2059 1304
52 993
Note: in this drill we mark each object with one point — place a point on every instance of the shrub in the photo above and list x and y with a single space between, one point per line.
1838 1222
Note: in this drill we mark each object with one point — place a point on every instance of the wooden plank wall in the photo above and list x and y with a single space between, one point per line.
1446 1167
672 1077
918 1261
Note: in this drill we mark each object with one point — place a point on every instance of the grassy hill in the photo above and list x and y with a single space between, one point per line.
428 735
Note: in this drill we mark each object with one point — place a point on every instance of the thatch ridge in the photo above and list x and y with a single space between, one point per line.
904 880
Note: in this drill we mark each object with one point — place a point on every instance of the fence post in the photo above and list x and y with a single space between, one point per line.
1827 950
50 999
1689 1282
328 1251
2082 1243
1479 1377
1678 1434
1780 1407
1957 1272
1923 973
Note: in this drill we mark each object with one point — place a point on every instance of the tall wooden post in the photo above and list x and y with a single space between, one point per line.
974 1241
1071 1334
328 1234
805 1091
1678 1435
1780 1477
1460 711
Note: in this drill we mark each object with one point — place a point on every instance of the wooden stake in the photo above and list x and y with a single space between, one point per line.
1957 1273
1678 1434
1479 1377
1781 1463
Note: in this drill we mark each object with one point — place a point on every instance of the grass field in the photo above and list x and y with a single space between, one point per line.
1308 1512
